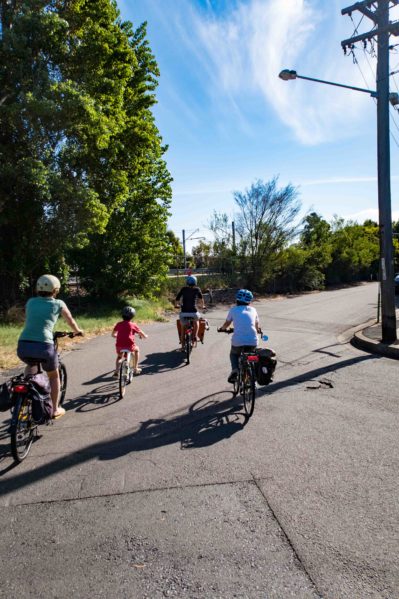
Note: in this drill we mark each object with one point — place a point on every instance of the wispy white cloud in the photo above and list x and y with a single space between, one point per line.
338 181
246 48
369 213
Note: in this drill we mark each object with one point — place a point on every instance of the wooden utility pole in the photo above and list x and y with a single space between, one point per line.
383 29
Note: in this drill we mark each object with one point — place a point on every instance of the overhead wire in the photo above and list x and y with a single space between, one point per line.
356 30
373 54
392 115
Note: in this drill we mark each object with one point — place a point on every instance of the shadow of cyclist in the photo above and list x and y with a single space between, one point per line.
207 422
97 398
160 362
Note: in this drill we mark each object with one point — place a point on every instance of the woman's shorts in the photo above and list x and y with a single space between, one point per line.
32 351
185 317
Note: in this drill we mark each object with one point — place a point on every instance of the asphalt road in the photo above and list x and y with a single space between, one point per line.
168 493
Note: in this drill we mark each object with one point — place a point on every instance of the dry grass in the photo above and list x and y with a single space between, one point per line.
98 320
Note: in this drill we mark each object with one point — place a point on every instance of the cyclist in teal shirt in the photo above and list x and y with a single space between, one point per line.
36 340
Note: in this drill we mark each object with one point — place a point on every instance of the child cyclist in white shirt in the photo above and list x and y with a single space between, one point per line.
245 320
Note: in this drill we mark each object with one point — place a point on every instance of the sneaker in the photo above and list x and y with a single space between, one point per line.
232 376
115 374
138 370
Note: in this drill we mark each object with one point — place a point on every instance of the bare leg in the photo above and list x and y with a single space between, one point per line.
195 329
136 357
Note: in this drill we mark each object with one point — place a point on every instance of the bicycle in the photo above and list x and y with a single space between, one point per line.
23 426
125 371
245 383
188 338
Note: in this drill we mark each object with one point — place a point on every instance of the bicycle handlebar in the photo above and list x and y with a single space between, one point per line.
70 334
229 331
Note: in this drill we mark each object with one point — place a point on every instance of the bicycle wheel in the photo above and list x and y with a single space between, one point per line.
236 384
63 381
123 377
22 428
188 346
248 387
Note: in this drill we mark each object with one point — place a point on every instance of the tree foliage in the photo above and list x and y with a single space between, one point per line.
322 254
265 224
78 142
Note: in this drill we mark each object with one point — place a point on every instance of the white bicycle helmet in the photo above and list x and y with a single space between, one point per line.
48 283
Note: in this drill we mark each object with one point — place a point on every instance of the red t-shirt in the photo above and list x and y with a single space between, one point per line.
125 331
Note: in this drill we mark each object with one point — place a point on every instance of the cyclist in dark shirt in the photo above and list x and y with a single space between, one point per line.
190 297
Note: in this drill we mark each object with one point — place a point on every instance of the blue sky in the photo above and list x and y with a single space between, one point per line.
229 120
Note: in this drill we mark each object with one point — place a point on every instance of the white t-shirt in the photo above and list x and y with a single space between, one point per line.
244 319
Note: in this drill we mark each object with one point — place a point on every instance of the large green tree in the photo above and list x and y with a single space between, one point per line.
76 133
355 251
134 251
316 241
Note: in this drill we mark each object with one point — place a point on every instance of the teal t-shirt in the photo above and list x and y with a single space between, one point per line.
41 315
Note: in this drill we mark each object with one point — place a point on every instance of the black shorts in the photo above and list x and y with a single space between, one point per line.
32 351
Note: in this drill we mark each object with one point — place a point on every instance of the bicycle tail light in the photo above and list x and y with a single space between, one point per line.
20 388
253 358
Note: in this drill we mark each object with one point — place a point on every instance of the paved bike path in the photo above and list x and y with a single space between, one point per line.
167 493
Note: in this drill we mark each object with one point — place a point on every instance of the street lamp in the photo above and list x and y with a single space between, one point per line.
287 75
388 313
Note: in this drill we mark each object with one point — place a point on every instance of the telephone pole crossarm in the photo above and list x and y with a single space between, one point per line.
362 7
392 28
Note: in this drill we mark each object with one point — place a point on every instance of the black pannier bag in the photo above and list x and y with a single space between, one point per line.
42 406
5 396
266 365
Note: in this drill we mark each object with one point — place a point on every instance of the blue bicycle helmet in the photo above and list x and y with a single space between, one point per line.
244 295
128 312
191 280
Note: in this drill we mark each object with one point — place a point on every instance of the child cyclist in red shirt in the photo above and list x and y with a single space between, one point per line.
124 332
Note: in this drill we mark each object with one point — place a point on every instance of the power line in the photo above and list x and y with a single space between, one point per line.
392 117
356 30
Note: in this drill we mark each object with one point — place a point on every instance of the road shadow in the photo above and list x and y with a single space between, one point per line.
103 396
5 449
5 445
209 420
160 362
312 374
106 377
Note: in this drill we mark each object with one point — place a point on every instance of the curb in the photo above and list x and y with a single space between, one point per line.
360 341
